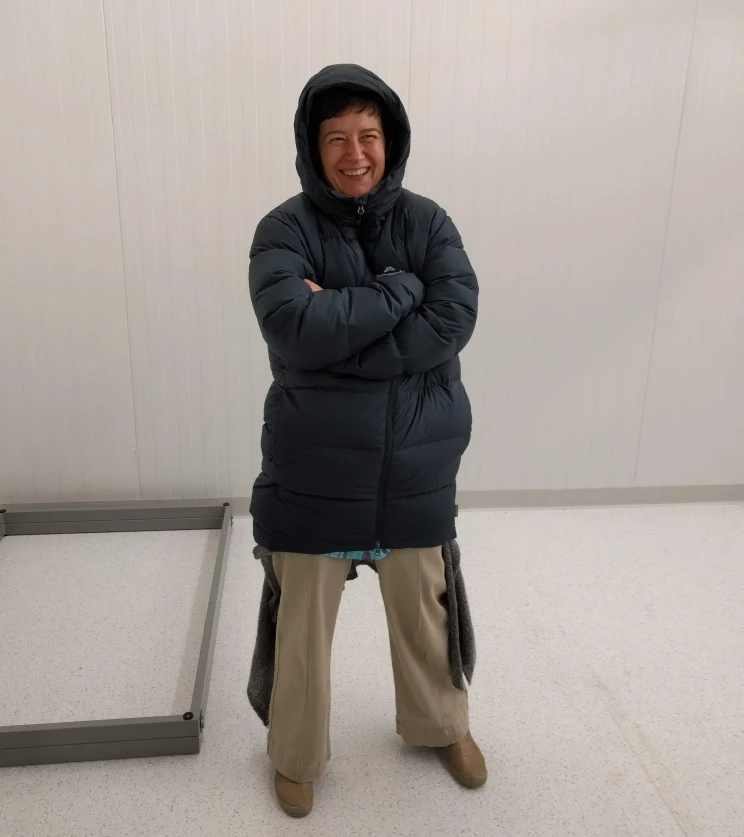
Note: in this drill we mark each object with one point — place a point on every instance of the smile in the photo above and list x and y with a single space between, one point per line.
355 172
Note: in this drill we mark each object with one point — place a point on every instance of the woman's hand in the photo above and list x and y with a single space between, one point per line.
313 287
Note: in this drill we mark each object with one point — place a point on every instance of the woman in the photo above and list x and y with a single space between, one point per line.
365 298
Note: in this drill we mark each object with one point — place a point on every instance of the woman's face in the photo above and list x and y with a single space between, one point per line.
352 152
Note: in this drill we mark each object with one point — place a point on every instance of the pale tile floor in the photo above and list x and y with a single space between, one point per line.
608 698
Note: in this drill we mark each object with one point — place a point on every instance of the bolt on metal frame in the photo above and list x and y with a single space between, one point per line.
166 735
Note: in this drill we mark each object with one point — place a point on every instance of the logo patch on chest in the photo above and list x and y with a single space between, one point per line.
389 271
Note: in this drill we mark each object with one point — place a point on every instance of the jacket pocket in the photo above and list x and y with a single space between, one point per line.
467 411
273 409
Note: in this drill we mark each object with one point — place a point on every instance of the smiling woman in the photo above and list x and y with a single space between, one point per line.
365 297
352 148
351 140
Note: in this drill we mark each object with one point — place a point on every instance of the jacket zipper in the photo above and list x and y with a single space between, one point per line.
360 210
387 457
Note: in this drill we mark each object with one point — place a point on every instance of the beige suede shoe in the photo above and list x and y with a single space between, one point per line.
466 763
296 799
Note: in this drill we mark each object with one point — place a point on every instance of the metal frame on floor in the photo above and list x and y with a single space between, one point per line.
167 735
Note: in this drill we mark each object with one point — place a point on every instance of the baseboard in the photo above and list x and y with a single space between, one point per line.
588 497
560 498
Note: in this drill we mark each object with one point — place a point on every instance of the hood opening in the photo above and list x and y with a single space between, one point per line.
364 83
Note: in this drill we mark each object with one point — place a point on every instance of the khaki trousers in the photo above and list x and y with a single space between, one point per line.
431 712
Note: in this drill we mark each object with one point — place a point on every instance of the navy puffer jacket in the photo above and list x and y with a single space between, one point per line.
367 417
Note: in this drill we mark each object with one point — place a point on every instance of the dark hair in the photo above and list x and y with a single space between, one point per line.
340 100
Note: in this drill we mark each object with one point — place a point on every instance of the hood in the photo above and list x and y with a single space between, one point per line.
381 199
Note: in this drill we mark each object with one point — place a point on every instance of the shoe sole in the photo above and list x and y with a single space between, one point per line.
292 811
472 782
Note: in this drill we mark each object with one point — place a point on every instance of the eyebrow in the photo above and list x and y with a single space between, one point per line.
343 133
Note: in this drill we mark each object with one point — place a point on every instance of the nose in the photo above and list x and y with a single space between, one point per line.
354 150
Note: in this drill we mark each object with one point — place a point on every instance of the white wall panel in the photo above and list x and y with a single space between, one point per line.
548 130
141 143
66 417
204 95
693 431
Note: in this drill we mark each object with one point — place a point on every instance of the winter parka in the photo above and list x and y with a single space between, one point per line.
367 417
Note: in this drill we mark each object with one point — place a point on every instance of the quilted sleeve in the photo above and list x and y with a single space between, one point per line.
315 330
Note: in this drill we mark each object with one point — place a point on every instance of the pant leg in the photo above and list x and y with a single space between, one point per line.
431 712
311 588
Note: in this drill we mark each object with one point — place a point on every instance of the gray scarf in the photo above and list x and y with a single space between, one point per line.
461 641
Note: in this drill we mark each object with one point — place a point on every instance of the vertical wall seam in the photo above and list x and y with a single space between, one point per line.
664 248
410 53
121 242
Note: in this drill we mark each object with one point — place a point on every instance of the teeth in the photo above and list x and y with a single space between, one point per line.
355 172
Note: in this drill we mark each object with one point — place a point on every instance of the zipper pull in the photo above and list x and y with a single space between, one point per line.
377 550
360 212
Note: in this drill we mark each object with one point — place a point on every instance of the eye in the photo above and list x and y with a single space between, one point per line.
336 140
